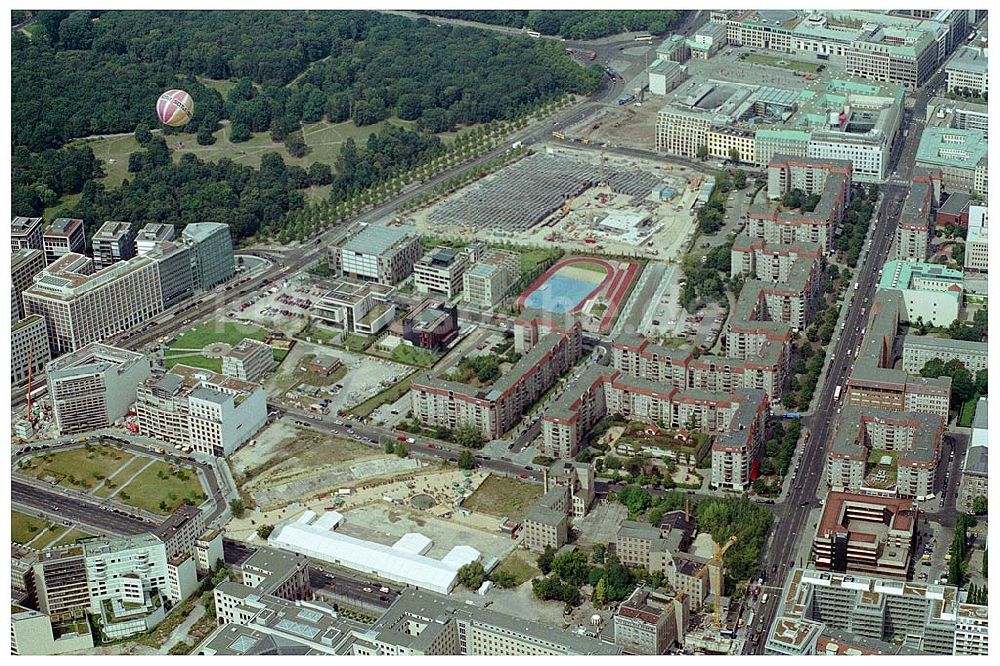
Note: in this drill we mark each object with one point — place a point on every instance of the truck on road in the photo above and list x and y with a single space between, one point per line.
625 99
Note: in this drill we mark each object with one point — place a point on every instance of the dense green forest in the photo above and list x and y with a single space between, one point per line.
589 24
101 74
244 198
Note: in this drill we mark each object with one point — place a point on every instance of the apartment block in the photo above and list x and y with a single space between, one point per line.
440 271
865 534
977 246
829 178
64 236
94 386
915 229
923 616
546 525
25 264
249 360
114 241
496 408
151 234
972 631
930 292
647 622
357 307
884 452
489 280
919 349
181 530
875 383
81 306
380 254
210 412
29 350
663 549
26 233
968 71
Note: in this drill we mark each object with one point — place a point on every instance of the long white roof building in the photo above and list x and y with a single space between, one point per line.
403 562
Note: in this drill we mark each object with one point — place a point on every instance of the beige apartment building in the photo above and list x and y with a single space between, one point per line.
486 282
249 360
440 271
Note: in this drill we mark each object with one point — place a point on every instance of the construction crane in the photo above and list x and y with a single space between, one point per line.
714 568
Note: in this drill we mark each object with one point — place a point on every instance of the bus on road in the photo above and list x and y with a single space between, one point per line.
836 393
644 38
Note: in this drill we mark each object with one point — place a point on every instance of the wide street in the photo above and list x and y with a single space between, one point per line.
792 515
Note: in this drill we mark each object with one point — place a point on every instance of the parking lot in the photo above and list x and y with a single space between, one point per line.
285 305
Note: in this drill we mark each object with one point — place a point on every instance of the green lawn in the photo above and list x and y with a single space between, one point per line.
72 536
194 360
968 412
215 331
530 259
121 476
499 496
77 468
320 335
391 394
356 342
414 356
158 484
517 565
24 528
785 63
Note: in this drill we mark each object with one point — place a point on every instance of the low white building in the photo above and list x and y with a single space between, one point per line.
403 562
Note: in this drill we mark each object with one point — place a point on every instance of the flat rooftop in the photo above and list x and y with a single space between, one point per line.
376 239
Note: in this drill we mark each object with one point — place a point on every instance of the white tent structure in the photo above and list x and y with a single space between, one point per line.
403 562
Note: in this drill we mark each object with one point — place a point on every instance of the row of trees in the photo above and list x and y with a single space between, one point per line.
964 386
82 76
855 225
960 549
588 24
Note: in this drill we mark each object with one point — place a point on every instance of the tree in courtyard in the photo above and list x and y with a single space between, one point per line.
702 152
237 507
979 505
471 575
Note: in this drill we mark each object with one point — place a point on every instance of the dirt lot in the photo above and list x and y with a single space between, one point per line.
290 463
499 496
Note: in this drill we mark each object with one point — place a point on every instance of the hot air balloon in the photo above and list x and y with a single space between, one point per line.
175 108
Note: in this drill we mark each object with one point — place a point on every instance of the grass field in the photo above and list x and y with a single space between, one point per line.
517 565
530 259
499 496
77 468
111 484
323 138
968 412
414 356
590 266
24 528
785 63
391 394
158 490
186 349
72 536
356 342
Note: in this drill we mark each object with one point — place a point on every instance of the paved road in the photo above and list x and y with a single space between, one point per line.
75 509
791 520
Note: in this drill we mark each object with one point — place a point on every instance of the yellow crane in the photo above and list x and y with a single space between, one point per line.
714 568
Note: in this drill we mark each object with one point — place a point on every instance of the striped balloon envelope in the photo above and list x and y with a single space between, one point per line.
175 108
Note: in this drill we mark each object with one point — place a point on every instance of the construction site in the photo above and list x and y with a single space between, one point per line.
580 200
